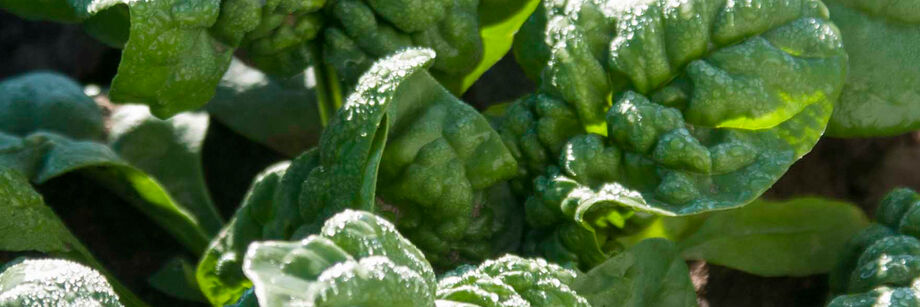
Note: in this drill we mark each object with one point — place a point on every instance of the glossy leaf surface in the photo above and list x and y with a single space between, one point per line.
358 259
511 281
673 108
880 266
54 283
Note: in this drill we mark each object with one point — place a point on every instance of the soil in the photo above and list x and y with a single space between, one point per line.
858 170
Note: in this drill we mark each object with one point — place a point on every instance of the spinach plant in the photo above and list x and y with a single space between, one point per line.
654 130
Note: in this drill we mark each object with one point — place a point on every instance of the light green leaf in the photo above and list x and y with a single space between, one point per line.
651 273
510 281
358 259
798 237
219 273
54 283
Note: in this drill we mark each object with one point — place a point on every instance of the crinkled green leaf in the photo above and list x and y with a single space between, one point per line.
469 36
441 170
882 93
176 278
651 273
798 237
358 259
48 101
219 273
881 297
27 224
880 266
170 151
499 20
510 281
50 282
437 157
364 31
674 108
42 156
170 61
274 35
281 113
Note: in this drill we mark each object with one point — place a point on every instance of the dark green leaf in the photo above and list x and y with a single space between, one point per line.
27 224
169 151
281 113
177 279
882 93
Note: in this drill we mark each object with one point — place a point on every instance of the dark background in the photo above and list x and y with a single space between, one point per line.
858 170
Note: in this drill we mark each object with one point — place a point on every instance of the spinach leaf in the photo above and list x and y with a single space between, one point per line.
27 224
881 95
357 259
281 113
673 108
43 156
880 266
651 273
510 281
50 282
170 151
798 237
51 102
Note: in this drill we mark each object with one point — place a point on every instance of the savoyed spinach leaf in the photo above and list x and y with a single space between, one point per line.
50 282
882 93
510 281
651 273
670 107
499 20
469 36
440 176
170 61
880 266
357 259
798 237
219 273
